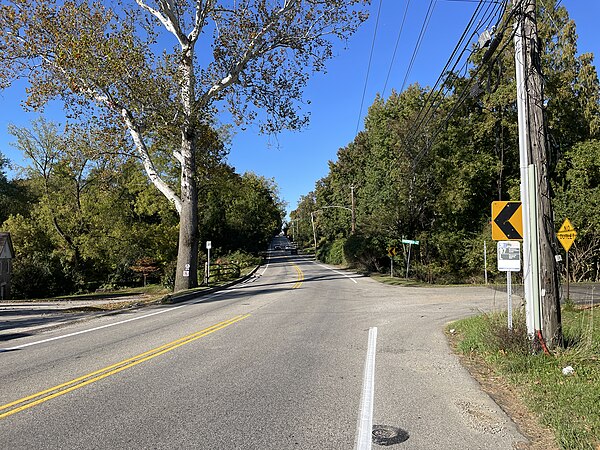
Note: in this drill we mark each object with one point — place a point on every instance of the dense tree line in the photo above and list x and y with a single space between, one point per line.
83 215
434 180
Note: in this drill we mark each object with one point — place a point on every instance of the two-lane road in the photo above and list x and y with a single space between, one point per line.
275 363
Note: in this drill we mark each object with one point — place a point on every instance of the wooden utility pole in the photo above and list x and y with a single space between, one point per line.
353 213
550 318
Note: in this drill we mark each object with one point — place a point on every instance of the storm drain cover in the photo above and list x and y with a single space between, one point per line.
388 435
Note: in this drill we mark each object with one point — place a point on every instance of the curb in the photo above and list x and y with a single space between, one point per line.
199 292
167 299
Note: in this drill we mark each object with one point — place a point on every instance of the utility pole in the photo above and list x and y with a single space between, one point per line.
538 217
312 221
353 213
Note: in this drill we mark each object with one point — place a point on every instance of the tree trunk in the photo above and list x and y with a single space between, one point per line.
186 276
187 253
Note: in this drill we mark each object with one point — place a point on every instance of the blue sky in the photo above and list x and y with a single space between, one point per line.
297 160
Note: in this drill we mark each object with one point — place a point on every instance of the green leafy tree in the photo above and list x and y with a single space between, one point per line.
4 190
240 212
113 59
14 194
94 213
301 219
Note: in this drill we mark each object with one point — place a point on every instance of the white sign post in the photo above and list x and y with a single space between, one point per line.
509 260
410 243
208 247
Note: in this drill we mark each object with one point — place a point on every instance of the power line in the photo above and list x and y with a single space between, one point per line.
362 101
432 4
427 112
396 47
444 74
465 92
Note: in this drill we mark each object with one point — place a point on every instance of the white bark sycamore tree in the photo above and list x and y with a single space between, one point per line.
161 70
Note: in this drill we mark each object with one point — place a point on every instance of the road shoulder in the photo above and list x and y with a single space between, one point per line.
509 399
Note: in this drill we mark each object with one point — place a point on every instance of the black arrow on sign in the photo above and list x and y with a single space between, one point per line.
502 220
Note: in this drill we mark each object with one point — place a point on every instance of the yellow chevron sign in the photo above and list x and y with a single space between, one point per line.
507 221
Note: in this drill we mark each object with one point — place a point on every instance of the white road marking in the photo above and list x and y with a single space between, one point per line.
89 330
253 278
55 338
336 271
364 432
263 272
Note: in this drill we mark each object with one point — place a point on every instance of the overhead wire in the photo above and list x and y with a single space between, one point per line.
446 72
434 90
461 98
362 101
396 47
431 104
428 15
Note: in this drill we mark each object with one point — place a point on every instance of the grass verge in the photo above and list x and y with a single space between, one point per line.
569 405
395 281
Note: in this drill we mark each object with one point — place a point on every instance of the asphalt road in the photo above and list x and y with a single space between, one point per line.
275 363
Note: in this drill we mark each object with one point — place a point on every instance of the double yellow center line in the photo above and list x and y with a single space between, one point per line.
300 277
61 389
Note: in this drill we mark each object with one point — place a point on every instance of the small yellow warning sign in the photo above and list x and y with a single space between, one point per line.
566 235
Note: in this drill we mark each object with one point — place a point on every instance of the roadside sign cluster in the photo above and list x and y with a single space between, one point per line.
392 251
507 229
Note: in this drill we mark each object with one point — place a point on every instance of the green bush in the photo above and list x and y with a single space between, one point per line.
333 253
364 253
242 259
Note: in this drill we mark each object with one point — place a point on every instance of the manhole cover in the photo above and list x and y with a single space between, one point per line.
388 435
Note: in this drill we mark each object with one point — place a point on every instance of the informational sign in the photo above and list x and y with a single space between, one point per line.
208 245
408 241
507 221
566 235
509 256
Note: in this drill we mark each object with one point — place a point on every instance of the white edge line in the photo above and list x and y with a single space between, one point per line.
365 421
336 271
89 330
266 267
17 347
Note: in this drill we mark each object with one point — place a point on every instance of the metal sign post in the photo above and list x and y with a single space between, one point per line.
208 247
408 261
485 261
391 254
509 260
566 235
410 244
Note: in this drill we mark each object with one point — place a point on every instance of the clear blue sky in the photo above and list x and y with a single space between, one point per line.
297 160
